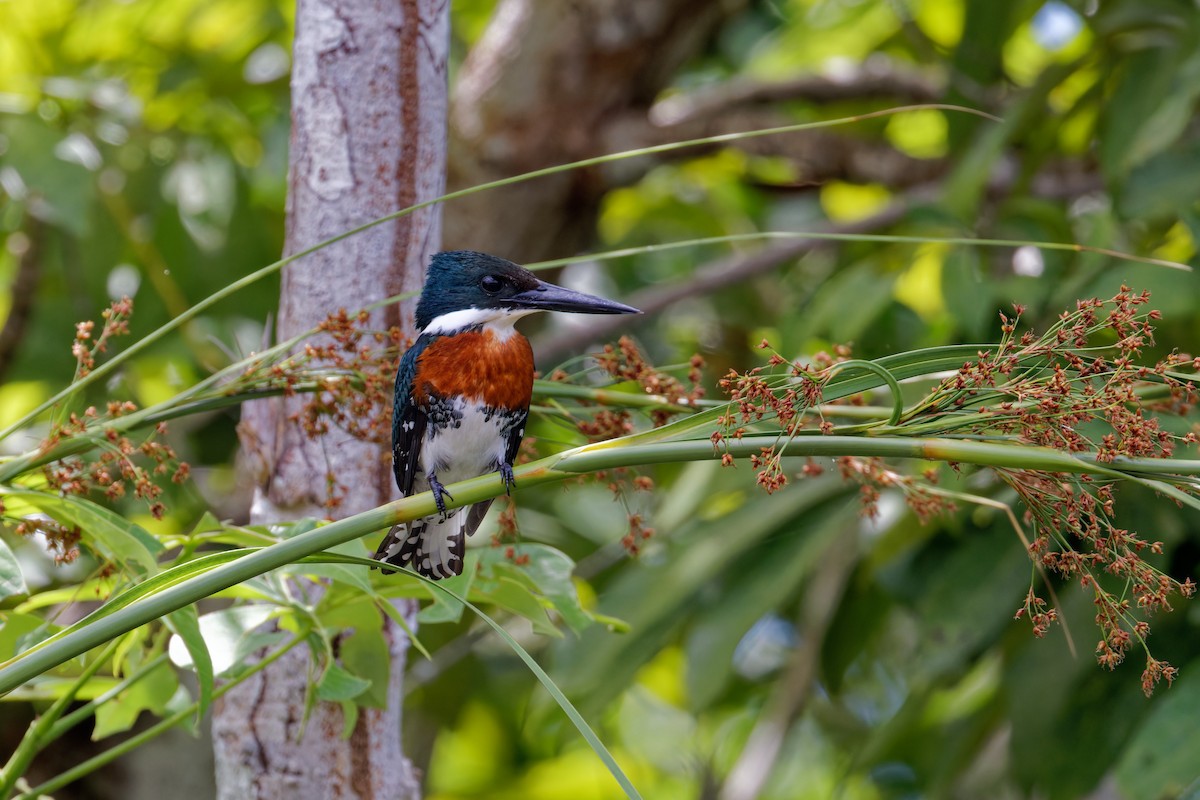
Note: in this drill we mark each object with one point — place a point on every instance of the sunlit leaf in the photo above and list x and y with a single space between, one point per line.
185 624
12 581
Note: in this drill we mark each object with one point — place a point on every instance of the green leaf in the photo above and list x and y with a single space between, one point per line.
1145 81
67 190
339 684
112 536
185 624
207 523
444 608
12 581
352 575
224 634
547 572
719 629
966 596
656 596
851 301
1161 760
147 588
363 651
572 713
1157 189
510 591
968 296
16 631
152 693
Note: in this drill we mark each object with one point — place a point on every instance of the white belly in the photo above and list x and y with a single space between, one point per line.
472 445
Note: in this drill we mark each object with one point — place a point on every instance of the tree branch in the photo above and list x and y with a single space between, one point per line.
878 79
22 291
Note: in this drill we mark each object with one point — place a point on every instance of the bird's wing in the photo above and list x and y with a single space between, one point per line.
408 422
516 433
514 436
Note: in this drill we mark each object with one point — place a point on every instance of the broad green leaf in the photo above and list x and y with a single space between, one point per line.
17 629
98 588
111 535
223 633
206 523
365 654
967 595
654 597
546 573
508 591
1069 719
357 577
151 693
1157 189
1144 81
561 699
444 608
338 684
67 190
185 624
1163 760
12 581
550 571
968 297
162 580
361 647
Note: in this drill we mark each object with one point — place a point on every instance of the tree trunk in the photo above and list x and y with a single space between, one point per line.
368 138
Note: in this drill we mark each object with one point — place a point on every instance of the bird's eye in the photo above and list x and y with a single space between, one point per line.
491 284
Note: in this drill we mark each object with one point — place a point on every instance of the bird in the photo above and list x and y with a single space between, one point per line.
462 396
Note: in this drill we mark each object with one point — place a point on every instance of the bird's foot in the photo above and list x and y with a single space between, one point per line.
439 493
510 481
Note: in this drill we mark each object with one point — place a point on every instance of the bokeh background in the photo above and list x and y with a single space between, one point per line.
143 152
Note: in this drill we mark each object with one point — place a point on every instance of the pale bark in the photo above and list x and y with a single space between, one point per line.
368 138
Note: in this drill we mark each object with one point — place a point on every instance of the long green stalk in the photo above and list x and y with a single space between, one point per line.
69 721
37 736
132 743
882 238
605 455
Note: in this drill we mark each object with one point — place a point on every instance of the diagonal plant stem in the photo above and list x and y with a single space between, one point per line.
136 741
96 630
86 710
38 735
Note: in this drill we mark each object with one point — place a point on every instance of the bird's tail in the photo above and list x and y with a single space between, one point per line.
434 546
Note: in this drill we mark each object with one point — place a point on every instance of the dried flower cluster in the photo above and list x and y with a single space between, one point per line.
354 371
1046 389
358 373
120 466
625 362
85 348
1078 388
63 540
785 398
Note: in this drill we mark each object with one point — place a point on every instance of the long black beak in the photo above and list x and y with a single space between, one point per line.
548 297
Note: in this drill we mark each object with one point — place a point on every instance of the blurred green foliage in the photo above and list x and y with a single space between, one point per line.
143 152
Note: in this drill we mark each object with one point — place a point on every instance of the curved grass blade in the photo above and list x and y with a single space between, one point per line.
568 708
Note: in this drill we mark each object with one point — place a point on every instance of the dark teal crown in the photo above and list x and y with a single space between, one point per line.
461 279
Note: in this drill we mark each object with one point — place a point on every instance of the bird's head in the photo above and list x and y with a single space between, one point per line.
465 288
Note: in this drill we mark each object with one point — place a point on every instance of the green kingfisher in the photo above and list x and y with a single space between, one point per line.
462 395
